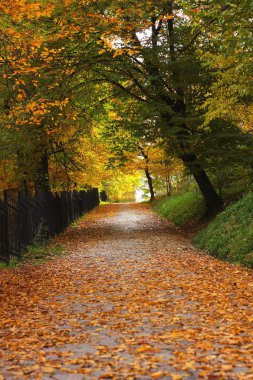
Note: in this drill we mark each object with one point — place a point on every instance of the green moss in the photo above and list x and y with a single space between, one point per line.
230 235
181 208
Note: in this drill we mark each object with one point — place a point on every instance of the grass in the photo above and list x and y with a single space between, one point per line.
12 263
181 208
42 252
36 253
230 235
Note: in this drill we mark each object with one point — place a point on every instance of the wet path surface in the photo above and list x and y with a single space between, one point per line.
130 299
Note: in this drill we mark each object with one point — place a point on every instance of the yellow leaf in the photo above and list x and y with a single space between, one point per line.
144 348
117 53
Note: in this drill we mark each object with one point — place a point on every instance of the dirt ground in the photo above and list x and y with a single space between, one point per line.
130 298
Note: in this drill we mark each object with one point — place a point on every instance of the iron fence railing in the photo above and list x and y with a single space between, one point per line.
22 216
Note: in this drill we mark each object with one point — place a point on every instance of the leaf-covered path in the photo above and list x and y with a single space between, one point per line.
131 299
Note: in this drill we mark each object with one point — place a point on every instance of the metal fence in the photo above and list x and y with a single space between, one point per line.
23 217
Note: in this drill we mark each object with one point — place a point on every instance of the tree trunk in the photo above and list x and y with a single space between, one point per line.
148 176
41 179
168 186
150 185
213 202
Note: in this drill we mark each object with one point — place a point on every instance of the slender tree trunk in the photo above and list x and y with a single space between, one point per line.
168 186
150 184
24 187
213 202
41 179
147 173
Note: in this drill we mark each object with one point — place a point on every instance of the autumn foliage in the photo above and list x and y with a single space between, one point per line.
160 77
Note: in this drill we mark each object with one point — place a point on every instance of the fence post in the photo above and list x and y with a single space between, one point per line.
6 227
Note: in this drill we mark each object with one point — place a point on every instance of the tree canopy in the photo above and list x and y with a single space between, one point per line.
95 91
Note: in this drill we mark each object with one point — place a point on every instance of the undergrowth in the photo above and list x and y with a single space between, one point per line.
40 253
36 254
181 208
12 263
41 250
230 235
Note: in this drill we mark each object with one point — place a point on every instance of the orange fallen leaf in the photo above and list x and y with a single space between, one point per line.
49 369
107 375
144 348
156 375
176 376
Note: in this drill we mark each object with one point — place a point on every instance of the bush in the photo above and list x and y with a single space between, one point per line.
230 235
181 208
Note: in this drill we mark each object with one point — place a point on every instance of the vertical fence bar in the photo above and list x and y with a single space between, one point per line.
6 246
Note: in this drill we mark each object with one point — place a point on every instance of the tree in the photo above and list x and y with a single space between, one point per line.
152 65
43 120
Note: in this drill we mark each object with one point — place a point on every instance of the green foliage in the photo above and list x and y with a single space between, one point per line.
227 55
224 144
232 181
230 235
181 208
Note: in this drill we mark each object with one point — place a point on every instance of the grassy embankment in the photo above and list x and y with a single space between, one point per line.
229 236
181 208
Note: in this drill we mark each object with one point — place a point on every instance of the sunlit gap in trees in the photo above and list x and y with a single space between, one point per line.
142 192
